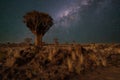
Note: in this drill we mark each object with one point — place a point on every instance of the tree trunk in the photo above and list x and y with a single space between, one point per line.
38 40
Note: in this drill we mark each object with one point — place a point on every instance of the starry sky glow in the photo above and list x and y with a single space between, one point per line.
82 21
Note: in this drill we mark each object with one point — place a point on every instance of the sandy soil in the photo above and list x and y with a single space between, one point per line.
109 73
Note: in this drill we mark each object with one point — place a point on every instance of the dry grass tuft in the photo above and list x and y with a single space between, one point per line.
69 63
54 62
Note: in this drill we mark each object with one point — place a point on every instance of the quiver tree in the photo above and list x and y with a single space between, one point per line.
39 23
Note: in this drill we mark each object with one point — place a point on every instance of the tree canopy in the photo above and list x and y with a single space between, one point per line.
38 22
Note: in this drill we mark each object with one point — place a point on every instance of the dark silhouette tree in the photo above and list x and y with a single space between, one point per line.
39 23
28 40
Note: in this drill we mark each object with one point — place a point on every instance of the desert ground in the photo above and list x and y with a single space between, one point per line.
93 61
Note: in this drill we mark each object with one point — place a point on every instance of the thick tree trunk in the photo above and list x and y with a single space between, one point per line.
38 40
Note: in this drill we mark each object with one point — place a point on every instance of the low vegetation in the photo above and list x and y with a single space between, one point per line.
55 62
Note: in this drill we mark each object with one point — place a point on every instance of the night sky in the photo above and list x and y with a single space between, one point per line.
83 21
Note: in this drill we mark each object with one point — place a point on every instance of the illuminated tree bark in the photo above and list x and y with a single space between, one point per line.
38 40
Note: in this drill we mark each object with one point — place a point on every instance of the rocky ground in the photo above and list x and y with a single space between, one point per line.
60 62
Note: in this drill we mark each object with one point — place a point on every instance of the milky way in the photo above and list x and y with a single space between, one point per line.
81 19
78 20
70 13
